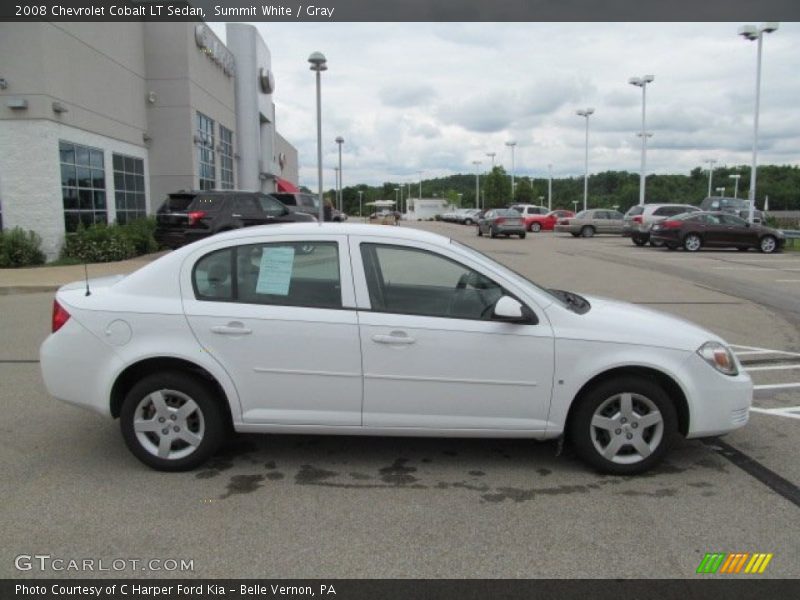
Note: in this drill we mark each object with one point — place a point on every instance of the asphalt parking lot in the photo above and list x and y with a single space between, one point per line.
322 507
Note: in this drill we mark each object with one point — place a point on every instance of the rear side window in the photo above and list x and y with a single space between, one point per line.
287 199
304 274
176 203
635 210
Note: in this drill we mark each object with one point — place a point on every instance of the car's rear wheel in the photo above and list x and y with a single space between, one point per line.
587 231
768 244
492 232
536 227
172 422
692 242
468 222
656 243
638 240
624 425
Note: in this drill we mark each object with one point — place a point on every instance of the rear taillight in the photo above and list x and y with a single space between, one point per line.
195 216
500 220
637 219
60 316
671 225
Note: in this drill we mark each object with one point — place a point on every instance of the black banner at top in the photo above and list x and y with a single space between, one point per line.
401 10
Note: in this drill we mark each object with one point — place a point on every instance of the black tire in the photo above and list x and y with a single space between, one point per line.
671 246
480 233
211 421
492 233
656 244
586 438
638 240
587 231
575 234
768 244
522 235
535 227
692 242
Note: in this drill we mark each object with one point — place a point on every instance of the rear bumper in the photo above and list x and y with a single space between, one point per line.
509 229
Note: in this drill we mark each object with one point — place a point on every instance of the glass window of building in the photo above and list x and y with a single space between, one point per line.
205 147
129 196
83 185
226 158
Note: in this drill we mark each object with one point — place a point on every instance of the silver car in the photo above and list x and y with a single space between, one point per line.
640 219
590 222
501 221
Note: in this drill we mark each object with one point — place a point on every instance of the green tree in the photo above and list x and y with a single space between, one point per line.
497 188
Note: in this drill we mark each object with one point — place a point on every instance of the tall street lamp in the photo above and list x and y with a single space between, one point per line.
549 187
459 199
753 33
491 155
395 198
720 191
642 83
420 186
339 142
586 113
319 64
735 178
711 162
336 190
360 195
512 144
477 183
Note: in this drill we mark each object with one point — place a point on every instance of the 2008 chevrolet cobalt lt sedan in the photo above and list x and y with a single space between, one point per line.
359 329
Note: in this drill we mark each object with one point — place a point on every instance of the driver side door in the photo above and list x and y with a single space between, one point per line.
433 358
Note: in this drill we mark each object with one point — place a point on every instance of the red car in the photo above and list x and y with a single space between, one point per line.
546 222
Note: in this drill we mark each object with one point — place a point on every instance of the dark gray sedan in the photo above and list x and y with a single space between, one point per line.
501 221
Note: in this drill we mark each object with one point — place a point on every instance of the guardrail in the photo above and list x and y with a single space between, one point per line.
791 235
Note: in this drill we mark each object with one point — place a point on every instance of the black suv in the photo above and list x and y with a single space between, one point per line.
185 217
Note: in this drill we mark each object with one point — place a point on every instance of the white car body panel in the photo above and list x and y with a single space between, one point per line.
301 369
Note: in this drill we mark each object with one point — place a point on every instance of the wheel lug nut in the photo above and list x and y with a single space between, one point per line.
618 431
176 428
634 425
623 420
161 419
173 417
165 431
629 436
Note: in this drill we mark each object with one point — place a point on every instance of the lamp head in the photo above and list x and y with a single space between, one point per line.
635 81
339 139
769 26
318 61
648 78
748 32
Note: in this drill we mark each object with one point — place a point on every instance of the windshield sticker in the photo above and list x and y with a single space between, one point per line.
275 273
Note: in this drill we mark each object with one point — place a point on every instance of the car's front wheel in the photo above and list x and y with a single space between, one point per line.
624 425
639 241
587 231
768 244
171 421
536 227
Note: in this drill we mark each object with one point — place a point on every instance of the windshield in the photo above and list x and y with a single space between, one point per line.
508 272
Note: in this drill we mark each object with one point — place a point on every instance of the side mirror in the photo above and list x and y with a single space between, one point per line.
510 310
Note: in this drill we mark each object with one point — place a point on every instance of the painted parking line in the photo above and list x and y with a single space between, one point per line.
770 360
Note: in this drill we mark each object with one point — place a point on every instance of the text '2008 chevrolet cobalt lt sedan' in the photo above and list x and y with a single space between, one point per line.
359 329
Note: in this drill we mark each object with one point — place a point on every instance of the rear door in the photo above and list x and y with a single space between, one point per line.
247 211
278 314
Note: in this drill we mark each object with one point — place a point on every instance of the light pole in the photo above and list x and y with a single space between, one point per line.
735 178
395 197
336 199
459 199
319 64
549 187
512 144
753 33
575 206
477 183
491 155
642 83
720 191
360 195
586 113
402 186
339 199
711 162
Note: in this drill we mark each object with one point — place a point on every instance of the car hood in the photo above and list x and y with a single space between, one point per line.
618 322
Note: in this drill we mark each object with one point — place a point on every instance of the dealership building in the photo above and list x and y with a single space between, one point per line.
100 121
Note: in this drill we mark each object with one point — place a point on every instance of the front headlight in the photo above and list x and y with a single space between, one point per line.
718 356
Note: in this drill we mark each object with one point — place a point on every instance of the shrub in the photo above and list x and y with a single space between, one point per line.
98 243
20 248
140 234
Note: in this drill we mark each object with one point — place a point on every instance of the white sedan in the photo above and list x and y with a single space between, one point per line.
358 329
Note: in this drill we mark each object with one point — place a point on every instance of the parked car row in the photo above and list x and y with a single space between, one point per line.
465 216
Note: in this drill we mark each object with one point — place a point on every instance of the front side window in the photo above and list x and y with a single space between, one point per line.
205 152
83 185
129 196
733 220
271 207
412 281
226 158
304 274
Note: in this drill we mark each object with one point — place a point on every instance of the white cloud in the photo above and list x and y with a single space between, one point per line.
436 96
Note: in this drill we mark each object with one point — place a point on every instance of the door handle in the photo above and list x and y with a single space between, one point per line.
396 337
236 216
232 328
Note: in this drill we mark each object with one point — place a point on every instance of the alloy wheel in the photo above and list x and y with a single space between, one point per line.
169 424
626 428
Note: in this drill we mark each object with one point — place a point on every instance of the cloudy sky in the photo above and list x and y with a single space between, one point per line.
433 97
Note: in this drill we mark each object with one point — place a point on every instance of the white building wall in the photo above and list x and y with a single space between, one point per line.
30 186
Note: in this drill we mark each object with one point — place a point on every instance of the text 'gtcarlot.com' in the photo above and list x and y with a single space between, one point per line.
47 562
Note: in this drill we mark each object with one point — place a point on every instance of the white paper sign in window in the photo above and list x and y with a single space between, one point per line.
275 274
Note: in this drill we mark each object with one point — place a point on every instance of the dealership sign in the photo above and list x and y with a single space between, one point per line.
214 49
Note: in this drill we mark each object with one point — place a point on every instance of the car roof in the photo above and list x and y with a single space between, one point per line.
316 228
